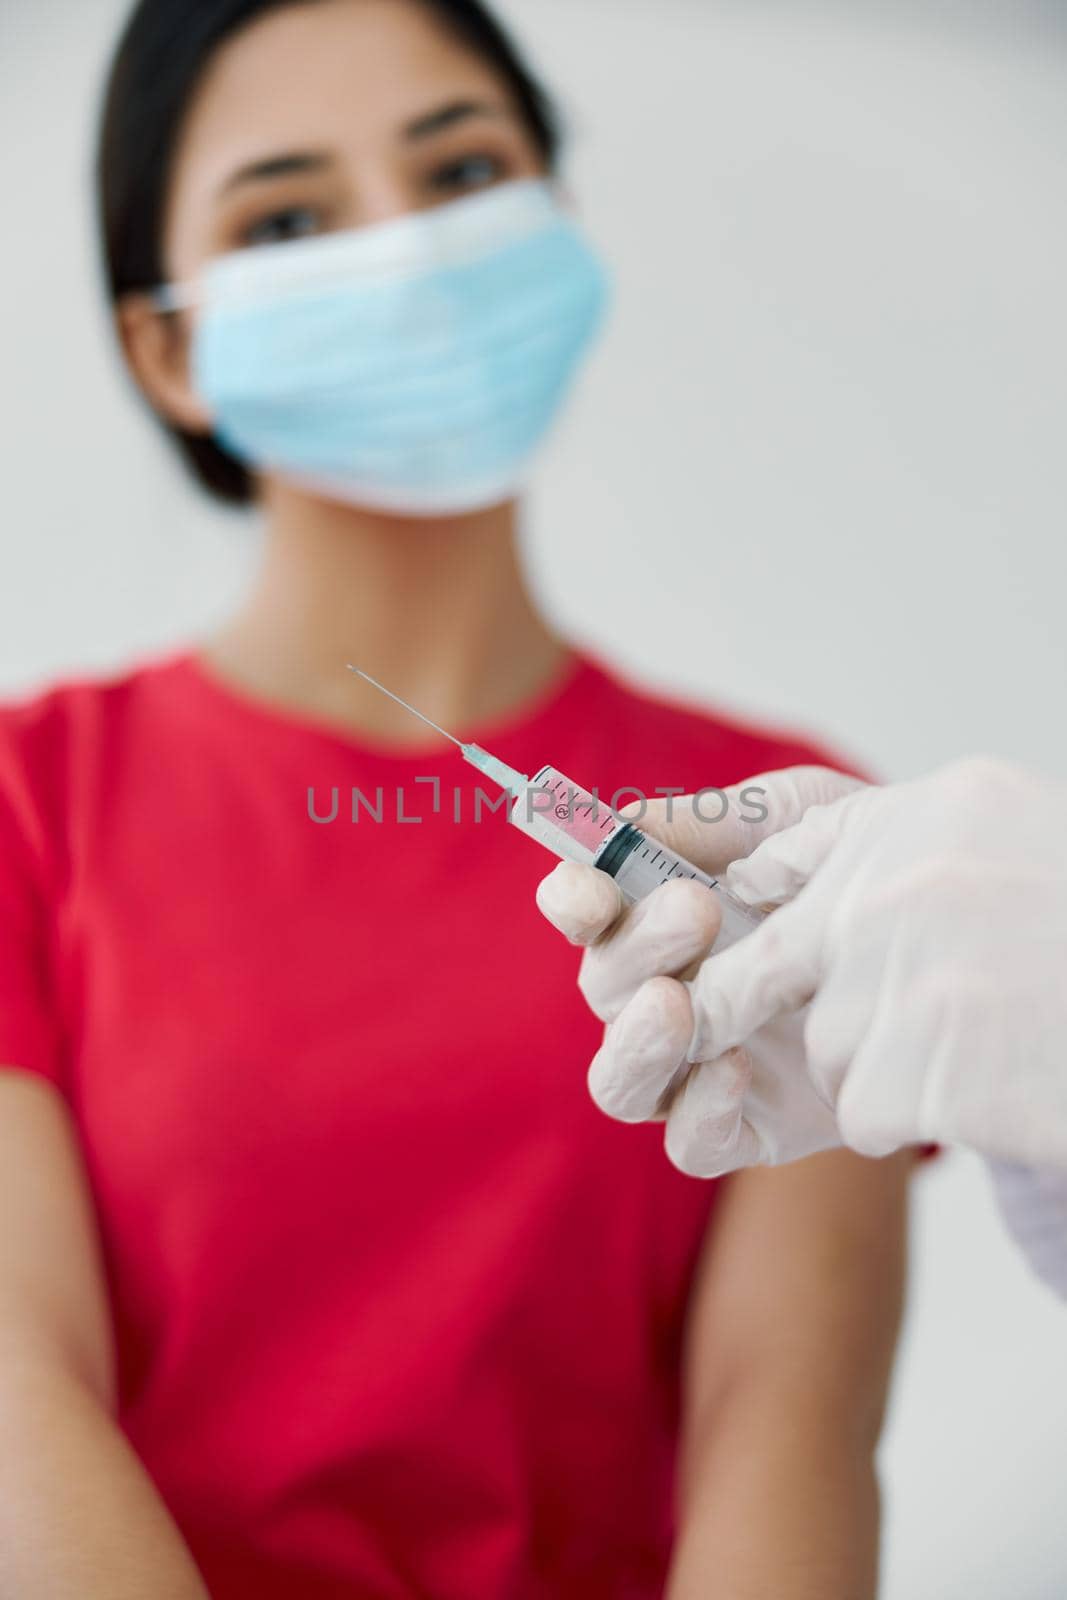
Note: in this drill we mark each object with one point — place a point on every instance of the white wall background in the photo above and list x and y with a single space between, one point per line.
827 432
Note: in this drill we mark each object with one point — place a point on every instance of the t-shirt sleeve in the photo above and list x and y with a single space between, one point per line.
29 1034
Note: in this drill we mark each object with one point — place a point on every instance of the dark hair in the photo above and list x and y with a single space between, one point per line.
164 51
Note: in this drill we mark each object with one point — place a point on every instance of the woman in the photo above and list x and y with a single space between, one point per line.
319 1273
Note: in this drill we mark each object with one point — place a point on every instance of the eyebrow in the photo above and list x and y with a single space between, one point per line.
448 116
281 166
424 127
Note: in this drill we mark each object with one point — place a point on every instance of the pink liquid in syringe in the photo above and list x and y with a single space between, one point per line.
581 816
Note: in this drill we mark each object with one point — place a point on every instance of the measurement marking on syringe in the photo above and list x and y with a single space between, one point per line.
579 826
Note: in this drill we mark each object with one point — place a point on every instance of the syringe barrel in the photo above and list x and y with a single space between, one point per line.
566 819
577 826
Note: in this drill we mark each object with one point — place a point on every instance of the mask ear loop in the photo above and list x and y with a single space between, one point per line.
174 297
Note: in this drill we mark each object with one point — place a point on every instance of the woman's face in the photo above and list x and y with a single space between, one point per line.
319 118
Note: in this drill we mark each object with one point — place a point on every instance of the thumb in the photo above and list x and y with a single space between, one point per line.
783 864
771 971
716 826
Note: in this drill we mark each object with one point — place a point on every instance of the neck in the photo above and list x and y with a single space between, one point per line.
437 609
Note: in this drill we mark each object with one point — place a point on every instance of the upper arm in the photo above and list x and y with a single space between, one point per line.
801 1289
53 1301
52 1297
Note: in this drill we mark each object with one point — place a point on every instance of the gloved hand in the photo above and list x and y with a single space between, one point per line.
929 922
752 1105
926 924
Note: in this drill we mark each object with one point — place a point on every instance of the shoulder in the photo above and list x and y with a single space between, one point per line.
58 711
57 739
42 728
700 742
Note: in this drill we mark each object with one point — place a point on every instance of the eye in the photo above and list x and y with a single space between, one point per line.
282 227
469 172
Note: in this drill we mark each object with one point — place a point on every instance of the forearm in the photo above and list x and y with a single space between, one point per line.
79 1517
780 1501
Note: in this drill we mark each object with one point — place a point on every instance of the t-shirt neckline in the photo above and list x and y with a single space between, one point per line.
274 719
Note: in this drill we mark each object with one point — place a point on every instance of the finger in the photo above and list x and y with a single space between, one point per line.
708 829
782 865
707 1131
580 901
643 1050
771 971
887 1097
847 1003
717 826
662 936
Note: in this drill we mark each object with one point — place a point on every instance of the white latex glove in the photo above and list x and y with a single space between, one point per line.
927 925
750 1105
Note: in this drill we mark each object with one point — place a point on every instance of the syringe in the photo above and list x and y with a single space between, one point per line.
576 826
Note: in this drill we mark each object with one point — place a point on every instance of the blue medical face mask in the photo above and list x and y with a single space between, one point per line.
414 366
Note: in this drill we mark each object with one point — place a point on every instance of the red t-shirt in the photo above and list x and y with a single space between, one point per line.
398 1312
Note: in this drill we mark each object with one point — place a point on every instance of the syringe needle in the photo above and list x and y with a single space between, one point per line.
383 690
473 754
